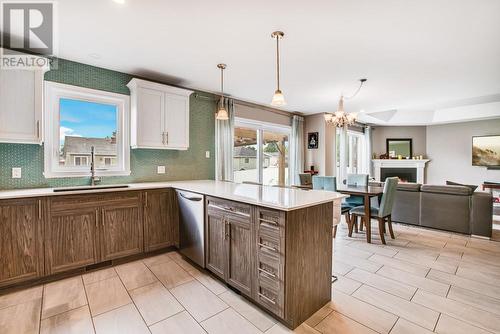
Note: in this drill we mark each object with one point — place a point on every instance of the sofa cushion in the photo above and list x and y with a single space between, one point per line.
409 186
471 186
450 190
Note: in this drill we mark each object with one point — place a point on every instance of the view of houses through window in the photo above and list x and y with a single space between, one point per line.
260 154
84 124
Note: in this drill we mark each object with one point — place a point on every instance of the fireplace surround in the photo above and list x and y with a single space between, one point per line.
404 166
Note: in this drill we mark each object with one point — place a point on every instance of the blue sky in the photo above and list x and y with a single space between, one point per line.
86 119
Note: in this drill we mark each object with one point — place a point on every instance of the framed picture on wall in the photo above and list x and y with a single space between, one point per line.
312 140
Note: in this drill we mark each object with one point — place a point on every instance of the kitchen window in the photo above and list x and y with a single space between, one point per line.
79 119
260 152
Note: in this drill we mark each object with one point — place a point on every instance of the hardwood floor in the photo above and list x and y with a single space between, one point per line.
424 281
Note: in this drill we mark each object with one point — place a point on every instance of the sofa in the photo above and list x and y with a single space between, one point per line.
445 207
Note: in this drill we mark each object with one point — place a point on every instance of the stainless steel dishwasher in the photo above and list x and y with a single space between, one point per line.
191 226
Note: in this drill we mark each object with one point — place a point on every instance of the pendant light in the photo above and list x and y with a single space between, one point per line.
221 114
278 97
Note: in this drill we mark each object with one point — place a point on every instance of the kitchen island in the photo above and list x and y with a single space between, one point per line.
272 244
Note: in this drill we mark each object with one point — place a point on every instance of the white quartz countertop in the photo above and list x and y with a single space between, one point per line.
285 199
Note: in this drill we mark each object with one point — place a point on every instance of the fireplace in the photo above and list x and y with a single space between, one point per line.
400 167
404 174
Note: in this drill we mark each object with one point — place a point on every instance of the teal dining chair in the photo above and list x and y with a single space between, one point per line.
354 201
383 212
329 183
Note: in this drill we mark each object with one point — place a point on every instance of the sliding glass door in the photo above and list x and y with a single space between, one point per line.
260 153
245 155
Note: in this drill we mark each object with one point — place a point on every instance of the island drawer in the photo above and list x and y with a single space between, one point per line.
269 265
228 207
270 295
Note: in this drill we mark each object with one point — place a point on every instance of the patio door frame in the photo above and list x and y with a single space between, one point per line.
260 127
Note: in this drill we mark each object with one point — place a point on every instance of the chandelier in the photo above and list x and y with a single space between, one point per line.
340 118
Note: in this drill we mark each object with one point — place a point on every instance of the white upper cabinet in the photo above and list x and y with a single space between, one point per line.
21 106
159 115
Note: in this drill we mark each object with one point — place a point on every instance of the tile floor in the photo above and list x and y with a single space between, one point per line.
424 281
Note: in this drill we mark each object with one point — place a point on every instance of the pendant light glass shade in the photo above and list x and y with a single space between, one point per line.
278 97
221 114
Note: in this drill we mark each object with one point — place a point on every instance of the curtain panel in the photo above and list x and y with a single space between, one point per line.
224 138
296 158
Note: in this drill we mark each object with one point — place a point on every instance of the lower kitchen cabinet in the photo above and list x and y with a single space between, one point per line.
282 260
230 243
71 239
21 253
87 229
216 248
161 222
121 230
239 253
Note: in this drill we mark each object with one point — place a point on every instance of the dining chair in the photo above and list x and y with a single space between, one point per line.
305 179
383 212
329 183
354 201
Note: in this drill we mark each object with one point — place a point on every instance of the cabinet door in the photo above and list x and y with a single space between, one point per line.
150 119
177 121
21 254
160 219
121 231
239 254
215 249
70 239
21 106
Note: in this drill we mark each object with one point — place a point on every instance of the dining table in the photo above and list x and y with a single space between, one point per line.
367 192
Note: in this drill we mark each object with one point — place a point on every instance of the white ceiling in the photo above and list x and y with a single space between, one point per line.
418 56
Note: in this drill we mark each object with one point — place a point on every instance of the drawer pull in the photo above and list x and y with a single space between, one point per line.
232 210
269 223
267 273
267 299
274 249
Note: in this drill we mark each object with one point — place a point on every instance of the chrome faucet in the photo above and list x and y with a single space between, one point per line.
93 178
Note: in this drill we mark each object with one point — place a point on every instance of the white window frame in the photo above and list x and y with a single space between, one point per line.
56 91
260 127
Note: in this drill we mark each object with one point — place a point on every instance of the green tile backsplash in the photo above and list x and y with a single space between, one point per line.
180 165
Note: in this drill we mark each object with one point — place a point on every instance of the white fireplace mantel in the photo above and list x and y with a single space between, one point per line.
404 163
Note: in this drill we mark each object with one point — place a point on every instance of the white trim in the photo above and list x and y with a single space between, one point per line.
53 93
260 127
257 125
378 164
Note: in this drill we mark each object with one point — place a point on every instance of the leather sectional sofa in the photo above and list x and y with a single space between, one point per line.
450 208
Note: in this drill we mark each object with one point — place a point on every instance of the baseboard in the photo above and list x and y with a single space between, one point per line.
480 237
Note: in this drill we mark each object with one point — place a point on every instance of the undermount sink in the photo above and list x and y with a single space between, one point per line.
90 188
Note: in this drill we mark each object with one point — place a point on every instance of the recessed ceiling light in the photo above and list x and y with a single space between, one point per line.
94 55
121 2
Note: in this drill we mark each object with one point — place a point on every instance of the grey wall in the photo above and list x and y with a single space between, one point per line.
416 133
322 158
449 147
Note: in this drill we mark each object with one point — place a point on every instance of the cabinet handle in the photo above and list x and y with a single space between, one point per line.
226 232
102 217
96 218
39 209
146 200
267 272
38 129
274 249
163 138
167 137
267 299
